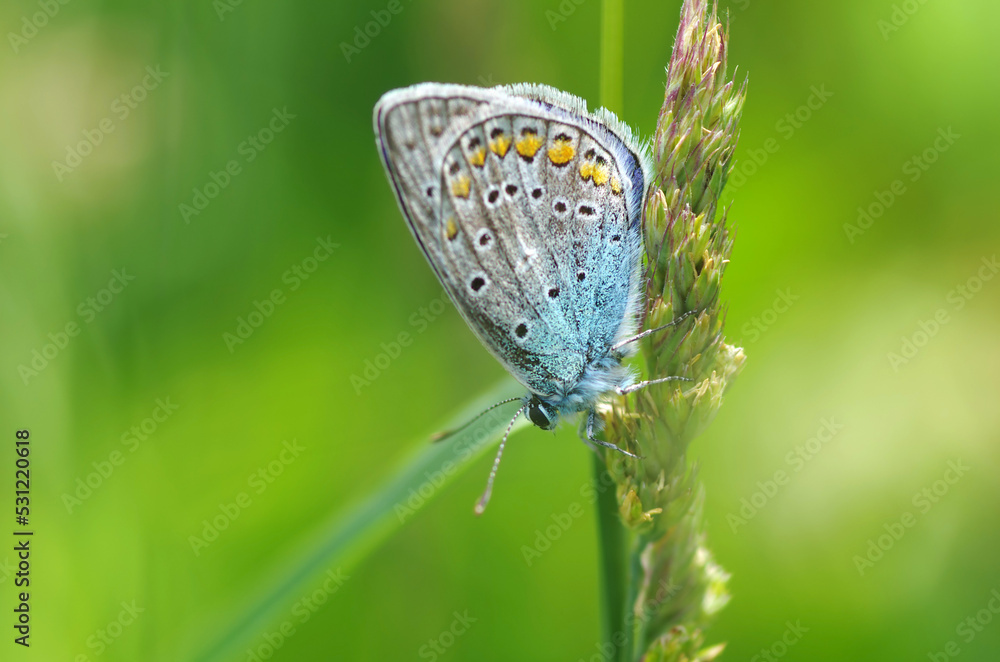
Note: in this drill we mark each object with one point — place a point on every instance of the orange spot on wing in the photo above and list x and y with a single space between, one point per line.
601 174
596 170
478 157
460 186
500 145
528 145
562 152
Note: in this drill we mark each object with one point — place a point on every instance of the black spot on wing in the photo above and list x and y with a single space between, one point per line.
523 360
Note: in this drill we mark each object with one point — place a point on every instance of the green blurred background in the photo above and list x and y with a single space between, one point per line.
827 356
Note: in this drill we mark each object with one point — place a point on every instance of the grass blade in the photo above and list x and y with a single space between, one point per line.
350 536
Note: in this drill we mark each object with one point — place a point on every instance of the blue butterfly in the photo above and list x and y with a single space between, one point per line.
528 208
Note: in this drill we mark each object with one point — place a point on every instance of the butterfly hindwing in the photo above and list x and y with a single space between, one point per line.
528 215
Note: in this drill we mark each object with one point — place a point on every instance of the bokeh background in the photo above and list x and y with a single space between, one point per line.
897 74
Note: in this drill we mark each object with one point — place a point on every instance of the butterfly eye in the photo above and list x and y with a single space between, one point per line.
586 211
559 206
493 195
477 283
521 330
616 238
537 193
511 190
485 238
554 292
538 416
580 275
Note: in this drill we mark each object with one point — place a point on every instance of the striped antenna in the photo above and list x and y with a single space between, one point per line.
485 499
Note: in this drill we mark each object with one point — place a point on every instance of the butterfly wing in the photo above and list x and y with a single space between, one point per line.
527 208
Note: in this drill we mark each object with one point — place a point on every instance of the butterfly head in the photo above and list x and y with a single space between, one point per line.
542 415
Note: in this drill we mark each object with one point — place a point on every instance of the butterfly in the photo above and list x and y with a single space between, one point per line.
528 209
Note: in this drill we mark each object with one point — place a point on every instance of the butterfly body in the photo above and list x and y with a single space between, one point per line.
528 209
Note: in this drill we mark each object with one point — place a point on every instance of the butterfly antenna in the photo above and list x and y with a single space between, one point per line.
485 499
443 434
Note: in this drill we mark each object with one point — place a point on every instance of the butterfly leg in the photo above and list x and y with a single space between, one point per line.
625 390
640 336
590 437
